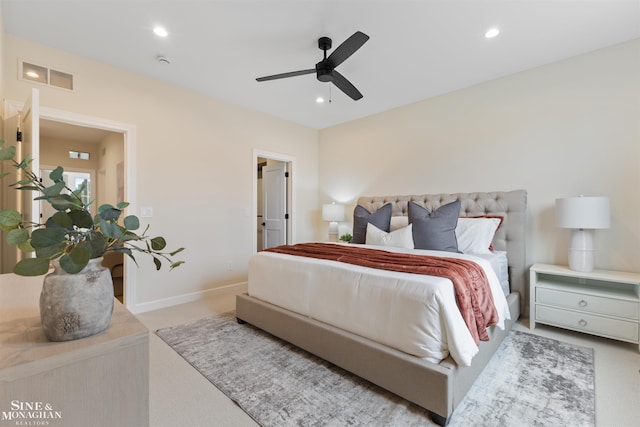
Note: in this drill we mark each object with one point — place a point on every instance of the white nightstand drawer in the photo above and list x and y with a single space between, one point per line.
584 322
589 303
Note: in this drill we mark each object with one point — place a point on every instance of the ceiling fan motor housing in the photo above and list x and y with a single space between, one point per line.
324 43
323 73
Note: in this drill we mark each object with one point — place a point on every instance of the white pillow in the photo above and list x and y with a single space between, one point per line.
475 235
398 222
401 238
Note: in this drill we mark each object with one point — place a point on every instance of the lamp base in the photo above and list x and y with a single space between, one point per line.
580 260
581 251
333 231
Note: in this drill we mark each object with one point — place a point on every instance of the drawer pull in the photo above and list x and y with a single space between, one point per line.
582 323
582 303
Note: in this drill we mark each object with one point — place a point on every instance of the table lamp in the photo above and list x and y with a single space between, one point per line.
582 215
333 213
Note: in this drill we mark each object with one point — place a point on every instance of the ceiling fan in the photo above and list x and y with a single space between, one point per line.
325 69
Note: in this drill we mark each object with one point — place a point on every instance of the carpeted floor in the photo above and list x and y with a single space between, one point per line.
530 381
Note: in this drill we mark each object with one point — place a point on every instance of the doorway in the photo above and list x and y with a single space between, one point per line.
273 200
114 178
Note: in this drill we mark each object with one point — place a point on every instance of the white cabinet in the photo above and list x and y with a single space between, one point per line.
604 303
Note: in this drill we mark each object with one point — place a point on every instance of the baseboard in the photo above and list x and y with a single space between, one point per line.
184 298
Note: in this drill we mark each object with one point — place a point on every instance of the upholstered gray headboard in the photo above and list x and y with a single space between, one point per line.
511 205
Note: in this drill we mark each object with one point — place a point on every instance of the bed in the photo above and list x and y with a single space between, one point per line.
437 385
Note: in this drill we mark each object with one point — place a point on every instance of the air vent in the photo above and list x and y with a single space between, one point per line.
45 75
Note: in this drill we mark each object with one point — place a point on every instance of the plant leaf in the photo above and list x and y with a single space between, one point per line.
50 252
80 255
10 218
54 190
111 230
157 262
61 219
131 222
45 237
26 246
17 236
158 243
176 251
57 174
108 213
176 264
60 202
81 218
96 245
75 261
24 163
128 236
32 267
8 153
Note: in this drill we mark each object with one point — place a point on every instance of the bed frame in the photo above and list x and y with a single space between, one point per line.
439 388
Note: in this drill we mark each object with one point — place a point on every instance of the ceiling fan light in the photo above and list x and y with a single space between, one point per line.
491 33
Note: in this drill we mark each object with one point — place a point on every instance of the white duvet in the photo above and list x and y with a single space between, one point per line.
413 313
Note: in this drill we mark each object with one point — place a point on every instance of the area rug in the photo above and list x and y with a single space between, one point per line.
530 381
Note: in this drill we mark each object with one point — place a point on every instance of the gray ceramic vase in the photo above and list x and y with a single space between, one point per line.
74 306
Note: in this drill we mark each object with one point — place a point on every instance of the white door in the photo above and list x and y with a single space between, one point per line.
10 254
30 126
27 122
274 205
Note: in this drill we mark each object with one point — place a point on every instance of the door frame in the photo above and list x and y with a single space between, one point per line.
128 132
291 194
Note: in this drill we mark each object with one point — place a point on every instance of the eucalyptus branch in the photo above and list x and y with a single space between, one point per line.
72 234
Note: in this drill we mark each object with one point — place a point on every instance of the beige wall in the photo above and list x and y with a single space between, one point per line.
111 150
560 130
55 152
194 164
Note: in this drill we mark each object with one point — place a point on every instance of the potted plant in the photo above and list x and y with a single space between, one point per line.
346 238
75 242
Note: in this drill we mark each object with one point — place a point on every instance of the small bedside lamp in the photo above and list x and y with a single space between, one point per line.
582 214
333 213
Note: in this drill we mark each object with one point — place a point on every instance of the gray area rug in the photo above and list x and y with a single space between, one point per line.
531 381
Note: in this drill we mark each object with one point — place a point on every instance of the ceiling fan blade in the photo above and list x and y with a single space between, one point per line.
285 75
345 85
346 49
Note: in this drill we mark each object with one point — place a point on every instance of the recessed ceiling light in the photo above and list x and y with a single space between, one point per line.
319 100
492 33
160 31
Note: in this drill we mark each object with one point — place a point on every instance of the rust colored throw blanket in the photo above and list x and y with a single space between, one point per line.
472 289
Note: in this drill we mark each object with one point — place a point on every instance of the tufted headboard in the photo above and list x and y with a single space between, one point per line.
511 205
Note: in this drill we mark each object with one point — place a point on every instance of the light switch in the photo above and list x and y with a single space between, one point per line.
146 212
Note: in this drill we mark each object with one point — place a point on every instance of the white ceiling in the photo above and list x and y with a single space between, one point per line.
417 49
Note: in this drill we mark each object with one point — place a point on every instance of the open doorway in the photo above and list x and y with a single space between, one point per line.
91 156
125 188
273 200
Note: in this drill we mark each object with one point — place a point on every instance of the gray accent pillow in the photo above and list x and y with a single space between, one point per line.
435 230
361 217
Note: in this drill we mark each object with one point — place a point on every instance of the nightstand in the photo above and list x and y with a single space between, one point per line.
603 303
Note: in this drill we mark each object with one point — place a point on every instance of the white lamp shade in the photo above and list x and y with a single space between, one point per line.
583 212
333 212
